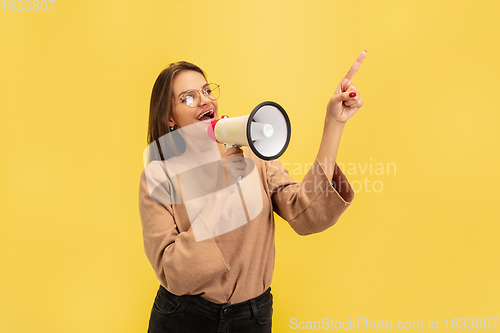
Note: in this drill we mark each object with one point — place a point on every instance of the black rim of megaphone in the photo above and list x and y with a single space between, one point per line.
289 132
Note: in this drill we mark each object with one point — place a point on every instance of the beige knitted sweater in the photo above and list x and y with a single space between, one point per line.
237 265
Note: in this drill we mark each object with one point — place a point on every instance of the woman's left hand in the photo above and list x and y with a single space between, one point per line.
343 104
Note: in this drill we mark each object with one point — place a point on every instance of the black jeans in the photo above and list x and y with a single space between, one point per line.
193 314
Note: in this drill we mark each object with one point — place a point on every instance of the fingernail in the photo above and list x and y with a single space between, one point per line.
353 94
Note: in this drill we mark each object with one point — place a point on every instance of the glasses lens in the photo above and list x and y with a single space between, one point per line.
192 99
212 91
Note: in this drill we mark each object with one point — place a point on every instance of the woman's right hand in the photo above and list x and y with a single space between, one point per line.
235 164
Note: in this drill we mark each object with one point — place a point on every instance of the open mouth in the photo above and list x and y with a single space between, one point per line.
207 115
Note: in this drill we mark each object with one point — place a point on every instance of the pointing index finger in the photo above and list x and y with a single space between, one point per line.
354 68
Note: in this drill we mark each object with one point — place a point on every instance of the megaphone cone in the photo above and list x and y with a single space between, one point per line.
266 130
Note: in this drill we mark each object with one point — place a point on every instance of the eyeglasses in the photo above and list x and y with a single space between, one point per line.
192 98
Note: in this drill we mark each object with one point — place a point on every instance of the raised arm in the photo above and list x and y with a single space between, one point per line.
316 204
342 106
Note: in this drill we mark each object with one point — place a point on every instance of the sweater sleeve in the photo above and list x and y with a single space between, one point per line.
180 262
313 205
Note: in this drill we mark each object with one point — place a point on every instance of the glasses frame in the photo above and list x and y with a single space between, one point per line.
199 93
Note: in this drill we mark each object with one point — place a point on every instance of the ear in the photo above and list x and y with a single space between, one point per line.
171 123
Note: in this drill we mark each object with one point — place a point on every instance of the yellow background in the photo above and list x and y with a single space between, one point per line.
75 85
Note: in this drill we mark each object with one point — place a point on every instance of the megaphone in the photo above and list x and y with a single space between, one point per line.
266 131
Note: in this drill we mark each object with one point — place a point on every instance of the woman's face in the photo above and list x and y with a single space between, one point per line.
182 114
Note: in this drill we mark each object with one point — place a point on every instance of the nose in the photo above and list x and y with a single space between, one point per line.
204 100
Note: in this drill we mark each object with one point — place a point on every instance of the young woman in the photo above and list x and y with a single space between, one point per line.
209 237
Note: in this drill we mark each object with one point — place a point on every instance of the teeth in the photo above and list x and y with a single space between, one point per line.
205 113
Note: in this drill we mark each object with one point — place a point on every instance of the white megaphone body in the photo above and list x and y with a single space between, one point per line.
266 131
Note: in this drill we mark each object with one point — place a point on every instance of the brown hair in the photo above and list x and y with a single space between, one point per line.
160 108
